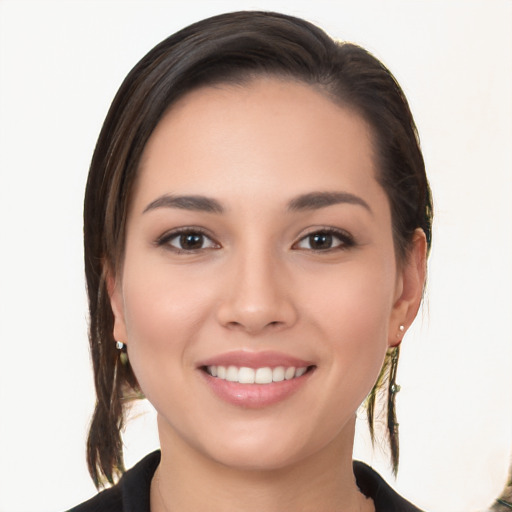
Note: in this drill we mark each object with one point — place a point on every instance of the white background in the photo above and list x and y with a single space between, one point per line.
60 65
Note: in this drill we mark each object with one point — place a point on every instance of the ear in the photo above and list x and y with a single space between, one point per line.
409 291
117 305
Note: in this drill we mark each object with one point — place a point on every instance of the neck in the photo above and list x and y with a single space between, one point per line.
188 480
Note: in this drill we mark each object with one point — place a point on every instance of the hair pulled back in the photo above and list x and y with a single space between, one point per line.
229 48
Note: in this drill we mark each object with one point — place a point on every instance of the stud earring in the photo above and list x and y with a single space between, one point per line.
401 328
123 356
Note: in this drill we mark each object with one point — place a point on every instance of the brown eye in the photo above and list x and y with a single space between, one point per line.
325 240
190 241
187 241
320 241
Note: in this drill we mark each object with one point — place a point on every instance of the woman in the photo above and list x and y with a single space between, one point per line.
257 219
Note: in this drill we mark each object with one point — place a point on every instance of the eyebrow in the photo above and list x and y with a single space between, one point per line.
309 201
317 200
195 203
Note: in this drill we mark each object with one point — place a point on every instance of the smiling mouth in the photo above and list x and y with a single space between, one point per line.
263 375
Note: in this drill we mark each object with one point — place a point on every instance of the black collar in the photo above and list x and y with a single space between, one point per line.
132 493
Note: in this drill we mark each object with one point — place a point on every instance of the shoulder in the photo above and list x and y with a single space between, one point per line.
131 494
109 500
384 497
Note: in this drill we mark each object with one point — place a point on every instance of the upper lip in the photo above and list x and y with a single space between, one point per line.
249 359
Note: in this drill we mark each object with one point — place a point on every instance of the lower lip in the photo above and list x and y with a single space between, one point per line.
255 396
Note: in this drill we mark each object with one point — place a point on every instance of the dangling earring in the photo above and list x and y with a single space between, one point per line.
393 389
123 356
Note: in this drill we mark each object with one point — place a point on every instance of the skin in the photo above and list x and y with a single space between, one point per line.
257 282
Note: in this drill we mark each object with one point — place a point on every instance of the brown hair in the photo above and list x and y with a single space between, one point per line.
231 47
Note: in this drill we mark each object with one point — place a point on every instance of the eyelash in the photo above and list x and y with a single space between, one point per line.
165 240
345 240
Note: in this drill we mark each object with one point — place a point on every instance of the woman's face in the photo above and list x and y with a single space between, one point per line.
259 290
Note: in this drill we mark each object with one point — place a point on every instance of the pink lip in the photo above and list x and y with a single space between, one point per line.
255 396
255 360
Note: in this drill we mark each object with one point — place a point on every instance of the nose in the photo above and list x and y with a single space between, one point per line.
258 294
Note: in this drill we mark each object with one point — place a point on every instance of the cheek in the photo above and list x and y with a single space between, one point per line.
159 299
352 311
163 316
357 299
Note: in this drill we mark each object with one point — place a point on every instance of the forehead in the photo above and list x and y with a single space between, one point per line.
265 136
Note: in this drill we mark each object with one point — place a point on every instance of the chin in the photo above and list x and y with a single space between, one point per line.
270 447
257 456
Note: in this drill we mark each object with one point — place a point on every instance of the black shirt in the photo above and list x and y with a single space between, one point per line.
131 494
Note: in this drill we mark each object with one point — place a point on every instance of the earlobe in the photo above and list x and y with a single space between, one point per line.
412 281
116 303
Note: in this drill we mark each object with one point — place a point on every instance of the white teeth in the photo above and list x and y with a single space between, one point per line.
289 373
221 372
246 375
300 372
278 374
232 374
264 375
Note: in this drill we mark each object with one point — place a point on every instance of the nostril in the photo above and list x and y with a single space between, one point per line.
234 325
239 325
